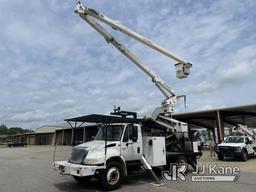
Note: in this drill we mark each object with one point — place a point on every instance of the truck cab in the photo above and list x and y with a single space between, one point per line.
114 140
115 147
240 146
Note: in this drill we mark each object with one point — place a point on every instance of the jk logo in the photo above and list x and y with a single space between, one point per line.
176 173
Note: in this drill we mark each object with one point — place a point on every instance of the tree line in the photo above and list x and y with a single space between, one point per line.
4 130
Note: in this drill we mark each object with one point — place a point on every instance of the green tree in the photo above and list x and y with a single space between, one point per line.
4 130
209 135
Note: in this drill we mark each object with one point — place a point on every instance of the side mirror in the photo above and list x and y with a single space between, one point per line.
133 138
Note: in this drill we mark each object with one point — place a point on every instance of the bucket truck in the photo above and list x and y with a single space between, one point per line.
242 143
123 143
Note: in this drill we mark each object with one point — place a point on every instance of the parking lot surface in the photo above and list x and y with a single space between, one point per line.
29 169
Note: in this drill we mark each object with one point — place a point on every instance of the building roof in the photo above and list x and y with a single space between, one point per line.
3 136
50 128
231 116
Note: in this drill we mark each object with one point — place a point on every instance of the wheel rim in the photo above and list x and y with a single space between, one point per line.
183 162
113 175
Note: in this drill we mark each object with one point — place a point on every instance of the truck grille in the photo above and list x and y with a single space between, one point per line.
227 149
78 155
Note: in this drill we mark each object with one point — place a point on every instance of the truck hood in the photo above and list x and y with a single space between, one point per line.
231 145
96 145
97 150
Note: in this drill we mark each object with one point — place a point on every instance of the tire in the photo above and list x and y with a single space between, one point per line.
111 177
182 160
221 157
82 179
244 155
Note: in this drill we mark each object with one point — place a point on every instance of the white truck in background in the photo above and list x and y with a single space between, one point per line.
123 143
239 145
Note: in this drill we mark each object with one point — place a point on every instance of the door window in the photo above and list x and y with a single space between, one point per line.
248 140
131 133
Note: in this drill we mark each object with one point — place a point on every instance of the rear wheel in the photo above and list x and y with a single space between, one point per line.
82 179
182 160
111 177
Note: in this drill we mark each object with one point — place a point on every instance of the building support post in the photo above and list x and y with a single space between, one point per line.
28 139
220 127
54 138
214 135
62 137
84 134
72 135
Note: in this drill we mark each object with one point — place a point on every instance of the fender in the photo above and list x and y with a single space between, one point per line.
244 149
121 160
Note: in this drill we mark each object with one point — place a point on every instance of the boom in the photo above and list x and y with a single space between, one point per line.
243 129
182 68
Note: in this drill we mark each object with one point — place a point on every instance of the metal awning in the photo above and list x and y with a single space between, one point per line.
107 119
230 116
210 119
95 118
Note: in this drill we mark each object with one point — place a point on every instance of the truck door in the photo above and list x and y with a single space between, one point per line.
131 145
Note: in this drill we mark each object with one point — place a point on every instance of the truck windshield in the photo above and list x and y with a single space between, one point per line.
234 140
114 133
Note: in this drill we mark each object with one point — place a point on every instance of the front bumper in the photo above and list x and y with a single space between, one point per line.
66 168
229 153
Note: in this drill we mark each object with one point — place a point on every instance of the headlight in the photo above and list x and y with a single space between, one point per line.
90 161
238 149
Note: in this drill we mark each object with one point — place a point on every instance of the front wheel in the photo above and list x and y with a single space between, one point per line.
111 177
244 155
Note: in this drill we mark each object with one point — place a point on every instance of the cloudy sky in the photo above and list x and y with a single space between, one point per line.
53 65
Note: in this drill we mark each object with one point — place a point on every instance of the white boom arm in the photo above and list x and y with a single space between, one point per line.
83 10
243 129
182 68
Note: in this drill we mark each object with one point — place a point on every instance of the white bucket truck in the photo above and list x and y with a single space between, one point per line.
241 144
126 143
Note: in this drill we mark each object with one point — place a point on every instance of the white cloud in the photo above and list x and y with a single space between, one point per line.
237 69
53 65
36 115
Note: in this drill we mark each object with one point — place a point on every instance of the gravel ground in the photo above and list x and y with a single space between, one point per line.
29 169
